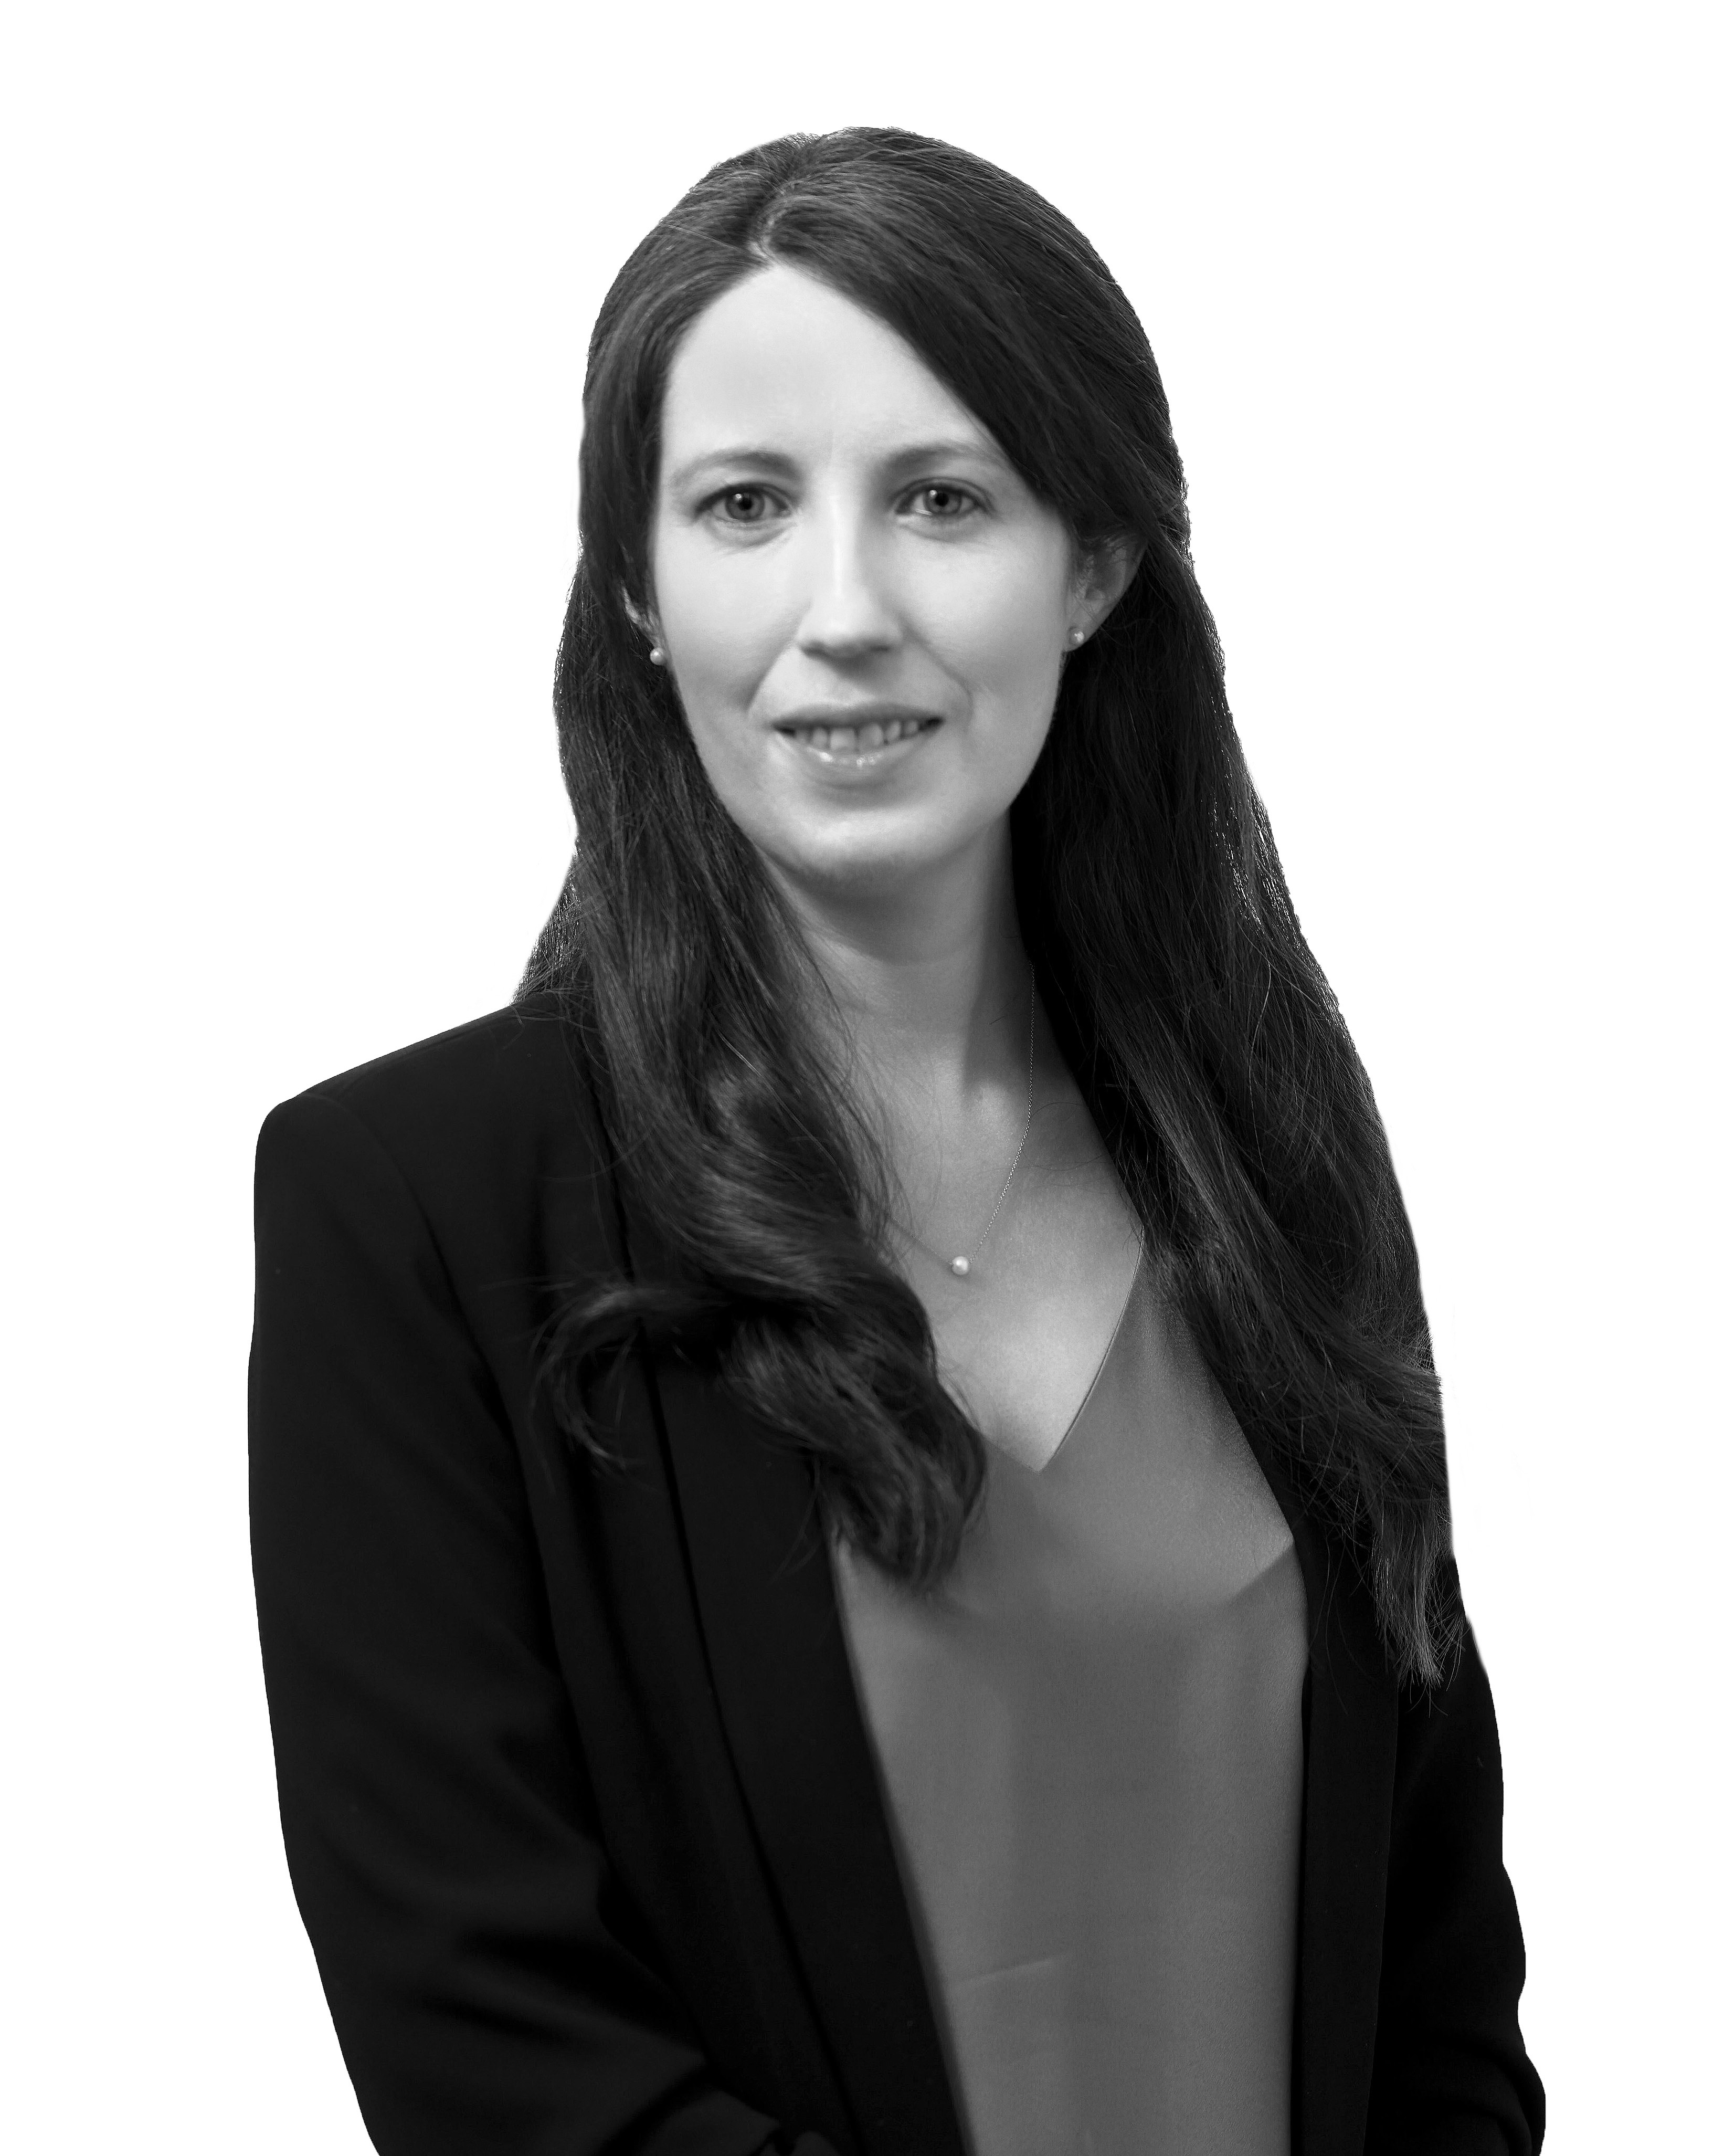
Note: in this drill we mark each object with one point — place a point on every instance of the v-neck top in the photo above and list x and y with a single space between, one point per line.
1089 1741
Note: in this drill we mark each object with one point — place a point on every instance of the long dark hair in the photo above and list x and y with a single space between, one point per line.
1200 1028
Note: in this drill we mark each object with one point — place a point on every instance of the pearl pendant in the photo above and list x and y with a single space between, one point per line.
961 1266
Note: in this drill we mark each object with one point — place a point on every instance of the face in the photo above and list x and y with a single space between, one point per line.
863 606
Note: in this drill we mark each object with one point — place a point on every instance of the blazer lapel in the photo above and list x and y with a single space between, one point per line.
764 1585
780 1669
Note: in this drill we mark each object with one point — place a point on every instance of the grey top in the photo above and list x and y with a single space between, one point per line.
1089 1740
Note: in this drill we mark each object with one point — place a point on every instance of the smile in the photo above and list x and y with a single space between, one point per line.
858 747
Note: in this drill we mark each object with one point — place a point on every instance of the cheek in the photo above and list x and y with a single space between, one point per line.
717 637
1004 630
722 641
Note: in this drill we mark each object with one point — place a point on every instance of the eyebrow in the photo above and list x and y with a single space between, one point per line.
777 465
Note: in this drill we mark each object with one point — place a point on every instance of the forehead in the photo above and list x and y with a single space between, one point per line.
783 360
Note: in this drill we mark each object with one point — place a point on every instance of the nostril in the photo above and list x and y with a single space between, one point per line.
842 635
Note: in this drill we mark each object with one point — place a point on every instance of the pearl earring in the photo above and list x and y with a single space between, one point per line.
656 655
1077 636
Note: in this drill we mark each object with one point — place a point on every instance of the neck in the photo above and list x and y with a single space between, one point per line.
929 974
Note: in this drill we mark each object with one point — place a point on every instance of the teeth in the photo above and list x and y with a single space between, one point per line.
862 741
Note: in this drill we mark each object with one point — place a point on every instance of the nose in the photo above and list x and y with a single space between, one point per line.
849 614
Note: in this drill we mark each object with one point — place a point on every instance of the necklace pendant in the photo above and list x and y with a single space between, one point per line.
961 1266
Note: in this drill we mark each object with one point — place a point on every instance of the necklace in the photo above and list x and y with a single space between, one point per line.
959 1265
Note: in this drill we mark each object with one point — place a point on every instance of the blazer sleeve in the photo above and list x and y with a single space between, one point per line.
1451 2076
485 1984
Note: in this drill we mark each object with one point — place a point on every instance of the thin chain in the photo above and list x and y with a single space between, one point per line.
960 1265
1028 1119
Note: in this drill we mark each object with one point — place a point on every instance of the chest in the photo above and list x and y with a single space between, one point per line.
1022 1336
1089 1741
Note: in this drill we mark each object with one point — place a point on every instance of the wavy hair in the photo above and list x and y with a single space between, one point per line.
1199 1026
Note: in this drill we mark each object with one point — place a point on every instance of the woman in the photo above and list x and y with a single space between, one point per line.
850 1506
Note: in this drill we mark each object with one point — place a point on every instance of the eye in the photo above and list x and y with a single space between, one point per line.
942 504
742 504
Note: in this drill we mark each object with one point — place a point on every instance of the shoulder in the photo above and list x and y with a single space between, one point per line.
522 1058
485 1128
516 1076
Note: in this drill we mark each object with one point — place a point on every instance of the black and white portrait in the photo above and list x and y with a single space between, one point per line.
863 1065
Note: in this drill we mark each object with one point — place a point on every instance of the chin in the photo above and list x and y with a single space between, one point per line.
875 868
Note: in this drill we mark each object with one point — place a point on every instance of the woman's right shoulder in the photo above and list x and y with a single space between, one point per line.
487 1115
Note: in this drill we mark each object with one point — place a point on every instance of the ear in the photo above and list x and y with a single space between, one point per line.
1099 581
642 620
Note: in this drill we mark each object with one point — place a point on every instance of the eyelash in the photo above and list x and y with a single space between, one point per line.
961 493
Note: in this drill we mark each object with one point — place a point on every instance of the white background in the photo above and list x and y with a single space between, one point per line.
297 302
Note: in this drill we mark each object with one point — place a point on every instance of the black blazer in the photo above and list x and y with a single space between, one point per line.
577 1798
